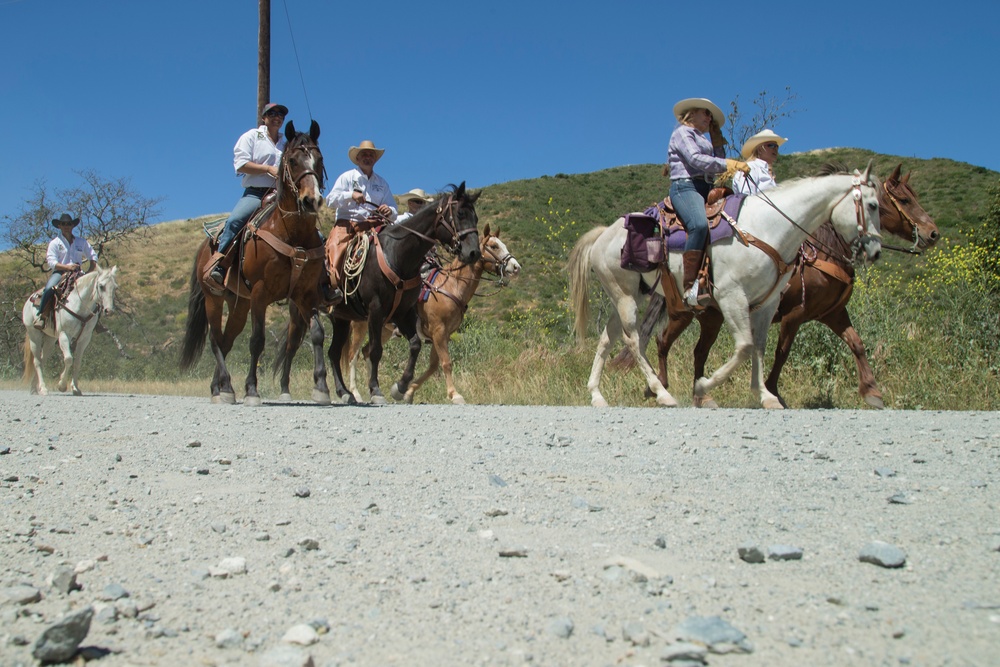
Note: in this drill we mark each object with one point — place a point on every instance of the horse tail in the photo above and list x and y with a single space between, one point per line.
280 353
29 360
197 322
579 279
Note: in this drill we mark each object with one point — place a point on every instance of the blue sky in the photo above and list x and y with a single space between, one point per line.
476 91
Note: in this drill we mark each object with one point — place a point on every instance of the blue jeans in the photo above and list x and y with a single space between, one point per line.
689 202
245 207
47 292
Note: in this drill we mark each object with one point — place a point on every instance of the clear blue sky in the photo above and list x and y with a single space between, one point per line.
484 92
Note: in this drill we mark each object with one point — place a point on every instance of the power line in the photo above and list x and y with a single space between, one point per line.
297 63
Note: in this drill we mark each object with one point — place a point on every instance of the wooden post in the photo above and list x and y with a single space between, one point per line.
263 58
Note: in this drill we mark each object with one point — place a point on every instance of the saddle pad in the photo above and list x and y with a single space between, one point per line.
677 237
214 227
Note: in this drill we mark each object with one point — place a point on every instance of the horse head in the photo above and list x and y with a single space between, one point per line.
459 223
105 286
856 215
901 213
496 258
302 169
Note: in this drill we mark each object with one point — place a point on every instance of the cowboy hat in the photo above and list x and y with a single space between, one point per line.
684 106
762 137
415 193
281 108
365 145
66 219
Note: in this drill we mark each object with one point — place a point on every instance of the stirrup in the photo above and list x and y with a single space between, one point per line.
332 295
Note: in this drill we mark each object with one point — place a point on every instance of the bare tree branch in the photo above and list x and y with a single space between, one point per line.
767 112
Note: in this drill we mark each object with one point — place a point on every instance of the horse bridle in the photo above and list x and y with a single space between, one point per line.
445 216
500 263
293 183
907 219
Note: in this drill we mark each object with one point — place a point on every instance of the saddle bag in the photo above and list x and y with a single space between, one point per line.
643 250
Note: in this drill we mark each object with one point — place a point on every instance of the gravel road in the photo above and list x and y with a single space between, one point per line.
495 535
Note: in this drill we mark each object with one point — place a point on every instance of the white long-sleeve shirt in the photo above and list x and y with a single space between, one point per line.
61 251
761 175
375 189
256 146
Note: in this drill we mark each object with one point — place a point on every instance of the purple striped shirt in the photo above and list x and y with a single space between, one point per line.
690 154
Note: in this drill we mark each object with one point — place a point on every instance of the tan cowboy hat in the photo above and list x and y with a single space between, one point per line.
762 137
415 193
684 106
365 145
66 219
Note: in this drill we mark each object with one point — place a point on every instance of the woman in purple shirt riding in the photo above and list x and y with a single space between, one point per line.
692 163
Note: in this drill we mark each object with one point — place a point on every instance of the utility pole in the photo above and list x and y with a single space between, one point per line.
263 58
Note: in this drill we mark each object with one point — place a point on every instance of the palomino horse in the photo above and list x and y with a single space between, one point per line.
819 289
282 259
449 291
386 285
748 278
75 321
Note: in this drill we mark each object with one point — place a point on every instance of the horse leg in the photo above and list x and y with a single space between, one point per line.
440 350
761 323
258 308
432 366
407 325
736 312
293 340
221 339
79 348
710 322
35 353
321 391
630 335
840 323
66 345
790 324
358 333
341 330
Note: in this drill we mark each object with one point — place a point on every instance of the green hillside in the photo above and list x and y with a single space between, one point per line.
540 219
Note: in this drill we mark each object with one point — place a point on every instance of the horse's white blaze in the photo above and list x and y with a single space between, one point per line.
747 284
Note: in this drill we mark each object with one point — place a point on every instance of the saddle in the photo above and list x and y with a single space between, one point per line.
213 229
60 293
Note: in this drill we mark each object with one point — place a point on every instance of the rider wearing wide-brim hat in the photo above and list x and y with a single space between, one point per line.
65 254
356 195
414 200
692 163
760 151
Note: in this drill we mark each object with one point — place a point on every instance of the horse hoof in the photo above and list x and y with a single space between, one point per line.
666 401
62 387
378 400
320 397
396 394
705 402
228 398
456 399
875 402
285 398
772 404
252 401
77 392
598 402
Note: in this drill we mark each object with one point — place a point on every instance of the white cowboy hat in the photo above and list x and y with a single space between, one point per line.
762 137
352 153
684 106
415 193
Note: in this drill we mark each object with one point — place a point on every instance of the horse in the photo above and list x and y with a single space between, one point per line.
819 290
384 285
73 326
748 278
448 292
282 258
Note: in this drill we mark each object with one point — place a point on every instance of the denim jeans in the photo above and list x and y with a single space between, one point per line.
245 207
689 202
49 286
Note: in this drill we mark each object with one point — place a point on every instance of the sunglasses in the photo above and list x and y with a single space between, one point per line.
274 114
770 144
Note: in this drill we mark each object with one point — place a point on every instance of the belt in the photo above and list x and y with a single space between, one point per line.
708 178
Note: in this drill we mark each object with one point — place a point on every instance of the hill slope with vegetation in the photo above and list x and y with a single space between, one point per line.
938 349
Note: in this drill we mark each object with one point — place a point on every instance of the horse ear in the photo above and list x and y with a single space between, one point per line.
314 131
906 179
894 177
868 170
460 191
486 230
289 130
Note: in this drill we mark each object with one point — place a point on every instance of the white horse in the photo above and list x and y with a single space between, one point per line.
74 325
748 281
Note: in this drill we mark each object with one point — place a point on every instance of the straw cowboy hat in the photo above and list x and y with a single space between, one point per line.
365 145
684 106
762 137
416 193
66 219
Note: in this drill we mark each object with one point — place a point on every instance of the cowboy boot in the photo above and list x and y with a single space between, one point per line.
214 272
692 263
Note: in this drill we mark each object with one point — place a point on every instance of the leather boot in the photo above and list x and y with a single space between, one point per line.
692 264
213 272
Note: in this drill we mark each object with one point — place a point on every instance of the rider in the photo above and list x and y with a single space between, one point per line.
760 151
256 156
414 200
65 254
356 195
691 164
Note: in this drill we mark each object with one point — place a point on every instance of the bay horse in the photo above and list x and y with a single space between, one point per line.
748 279
280 259
819 290
386 285
448 293
73 326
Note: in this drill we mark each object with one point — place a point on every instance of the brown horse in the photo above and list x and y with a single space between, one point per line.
449 291
819 290
280 259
